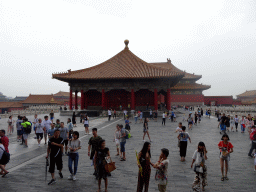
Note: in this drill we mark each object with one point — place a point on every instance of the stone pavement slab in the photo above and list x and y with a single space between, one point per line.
28 165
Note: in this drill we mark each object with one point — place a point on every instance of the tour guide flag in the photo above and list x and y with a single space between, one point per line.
138 161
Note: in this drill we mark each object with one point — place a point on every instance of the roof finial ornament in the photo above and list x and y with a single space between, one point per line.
126 42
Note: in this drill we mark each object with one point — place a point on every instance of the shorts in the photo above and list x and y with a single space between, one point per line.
19 132
86 125
39 135
65 143
55 160
190 123
122 144
25 136
51 118
161 188
145 130
222 127
117 143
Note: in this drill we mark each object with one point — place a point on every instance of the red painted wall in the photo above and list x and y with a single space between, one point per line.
93 98
115 98
187 98
219 100
144 96
237 102
161 98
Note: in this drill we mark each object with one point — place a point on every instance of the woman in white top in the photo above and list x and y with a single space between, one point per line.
117 136
200 168
236 120
74 145
10 125
39 131
86 125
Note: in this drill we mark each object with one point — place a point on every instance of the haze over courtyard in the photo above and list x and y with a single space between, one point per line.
213 39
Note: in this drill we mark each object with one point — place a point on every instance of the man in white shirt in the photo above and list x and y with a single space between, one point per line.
109 114
125 113
163 120
46 126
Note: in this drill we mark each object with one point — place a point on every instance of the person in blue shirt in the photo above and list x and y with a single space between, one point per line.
127 124
51 131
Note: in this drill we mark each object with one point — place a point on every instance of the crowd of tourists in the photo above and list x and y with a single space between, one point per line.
63 140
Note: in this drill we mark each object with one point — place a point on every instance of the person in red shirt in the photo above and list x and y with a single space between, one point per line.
5 142
4 139
225 149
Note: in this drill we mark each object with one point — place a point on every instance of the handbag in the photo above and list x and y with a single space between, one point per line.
110 166
198 169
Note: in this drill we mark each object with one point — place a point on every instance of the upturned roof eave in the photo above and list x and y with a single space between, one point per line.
67 79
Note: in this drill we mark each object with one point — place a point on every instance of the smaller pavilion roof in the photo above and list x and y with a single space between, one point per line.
64 94
40 99
190 86
169 65
61 94
248 93
10 105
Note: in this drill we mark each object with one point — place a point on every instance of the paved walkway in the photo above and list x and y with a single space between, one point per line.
27 165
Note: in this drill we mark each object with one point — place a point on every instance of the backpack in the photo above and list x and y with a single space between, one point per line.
126 134
27 130
5 157
253 136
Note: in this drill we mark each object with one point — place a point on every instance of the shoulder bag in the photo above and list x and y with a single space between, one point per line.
110 165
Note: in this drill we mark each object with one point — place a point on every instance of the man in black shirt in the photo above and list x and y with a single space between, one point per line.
55 148
93 146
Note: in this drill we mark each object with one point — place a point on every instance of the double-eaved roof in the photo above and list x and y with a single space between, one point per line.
124 65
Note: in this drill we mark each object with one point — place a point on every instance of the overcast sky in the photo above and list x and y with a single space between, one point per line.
215 39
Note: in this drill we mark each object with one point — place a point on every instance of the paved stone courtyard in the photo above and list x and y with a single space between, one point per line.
27 165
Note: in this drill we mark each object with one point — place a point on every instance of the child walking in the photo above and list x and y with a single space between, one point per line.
225 149
200 168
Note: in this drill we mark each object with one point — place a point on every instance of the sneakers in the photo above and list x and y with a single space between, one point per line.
74 178
60 174
254 170
52 182
25 146
70 177
39 145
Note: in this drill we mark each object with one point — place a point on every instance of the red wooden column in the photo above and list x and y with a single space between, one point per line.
132 100
85 100
70 99
76 100
168 99
82 99
103 99
155 99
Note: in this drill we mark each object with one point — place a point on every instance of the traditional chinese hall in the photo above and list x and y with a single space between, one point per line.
126 80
